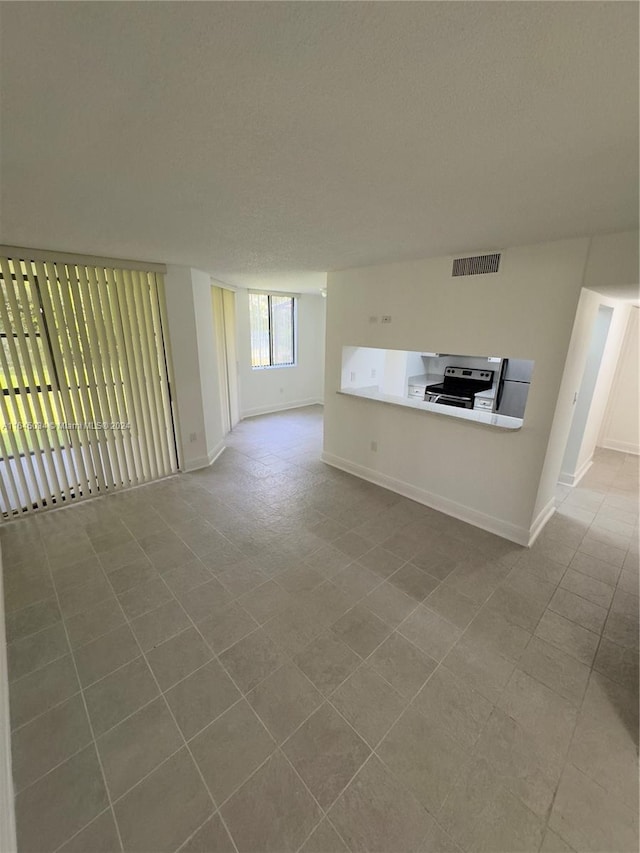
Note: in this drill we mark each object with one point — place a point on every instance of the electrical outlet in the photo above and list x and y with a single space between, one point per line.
353 376
373 373
386 318
374 446
193 437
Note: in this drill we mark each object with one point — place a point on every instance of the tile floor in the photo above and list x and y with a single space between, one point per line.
271 655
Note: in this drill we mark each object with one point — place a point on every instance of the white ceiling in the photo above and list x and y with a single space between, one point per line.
269 142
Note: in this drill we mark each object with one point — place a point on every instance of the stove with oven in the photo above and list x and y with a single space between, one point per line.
459 387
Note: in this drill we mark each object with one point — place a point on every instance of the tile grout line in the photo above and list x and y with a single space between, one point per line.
278 747
373 749
325 812
39 668
88 718
196 559
128 716
76 834
494 705
362 661
127 621
359 600
51 769
578 708
243 696
185 743
46 711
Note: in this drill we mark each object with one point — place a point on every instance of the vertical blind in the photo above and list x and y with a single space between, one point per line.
272 320
85 403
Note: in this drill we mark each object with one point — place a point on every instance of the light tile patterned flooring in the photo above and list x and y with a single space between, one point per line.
271 655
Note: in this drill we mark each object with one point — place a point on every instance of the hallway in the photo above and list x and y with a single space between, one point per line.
272 655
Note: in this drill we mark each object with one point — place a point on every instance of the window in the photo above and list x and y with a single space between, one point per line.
84 381
26 359
272 321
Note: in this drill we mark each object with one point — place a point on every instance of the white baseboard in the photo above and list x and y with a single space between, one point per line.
622 446
7 811
281 407
204 461
195 464
543 517
513 532
573 479
217 451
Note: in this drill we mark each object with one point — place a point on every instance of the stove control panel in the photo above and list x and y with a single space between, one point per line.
468 373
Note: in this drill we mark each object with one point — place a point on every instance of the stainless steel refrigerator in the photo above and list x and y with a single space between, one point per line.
514 387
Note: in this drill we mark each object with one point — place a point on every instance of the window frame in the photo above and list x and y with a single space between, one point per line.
294 330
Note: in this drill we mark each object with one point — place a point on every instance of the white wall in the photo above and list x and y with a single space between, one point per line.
620 427
416 364
8 842
272 389
482 474
612 264
613 349
394 379
590 303
208 358
362 367
572 469
195 389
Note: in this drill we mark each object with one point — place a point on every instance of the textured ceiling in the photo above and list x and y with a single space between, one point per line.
269 142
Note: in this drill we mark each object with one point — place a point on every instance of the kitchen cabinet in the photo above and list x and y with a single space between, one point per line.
484 401
417 385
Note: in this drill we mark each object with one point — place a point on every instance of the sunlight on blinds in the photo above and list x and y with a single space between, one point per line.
272 323
282 330
84 398
259 322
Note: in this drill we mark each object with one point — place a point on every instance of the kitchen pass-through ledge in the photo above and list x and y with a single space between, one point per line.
486 418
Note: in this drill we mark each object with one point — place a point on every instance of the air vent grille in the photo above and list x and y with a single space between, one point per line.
477 265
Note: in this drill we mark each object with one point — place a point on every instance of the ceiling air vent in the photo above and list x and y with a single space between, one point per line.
477 265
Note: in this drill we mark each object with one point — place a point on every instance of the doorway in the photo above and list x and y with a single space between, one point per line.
574 467
224 318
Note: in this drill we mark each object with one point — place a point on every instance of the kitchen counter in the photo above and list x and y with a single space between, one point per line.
426 379
480 417
489 394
